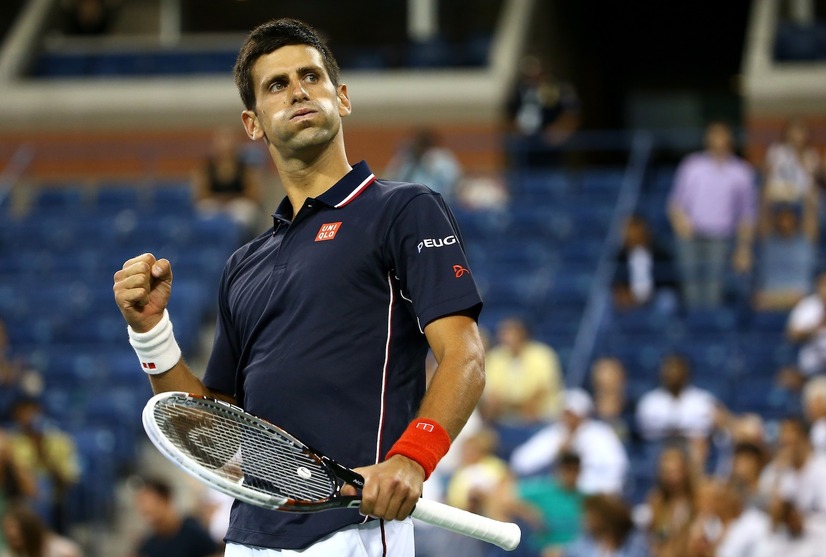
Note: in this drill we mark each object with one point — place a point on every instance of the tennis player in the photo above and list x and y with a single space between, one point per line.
324 321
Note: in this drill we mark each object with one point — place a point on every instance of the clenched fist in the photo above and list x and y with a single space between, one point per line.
142 289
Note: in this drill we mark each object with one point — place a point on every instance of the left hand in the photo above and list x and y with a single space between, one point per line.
391 488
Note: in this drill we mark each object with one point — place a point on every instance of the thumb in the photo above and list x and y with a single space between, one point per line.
162 270
349 489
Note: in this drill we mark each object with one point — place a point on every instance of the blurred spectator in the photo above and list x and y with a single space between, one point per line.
226 182
721 527
543 111
677 410
524 380
796 473
16 482
551 505
644 268
807 328
786 258
15 376
712 203
170 533
49 453
789 535
423 161
747 465
479 474
27 536
671 503
604 461
608 531
790 168
814 404
482 193
213 511
611 402
88 17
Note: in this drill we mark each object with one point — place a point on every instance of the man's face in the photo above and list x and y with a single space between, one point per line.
297 107
718 138
673 375
152 507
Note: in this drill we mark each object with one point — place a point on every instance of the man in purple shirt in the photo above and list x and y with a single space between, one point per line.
712 205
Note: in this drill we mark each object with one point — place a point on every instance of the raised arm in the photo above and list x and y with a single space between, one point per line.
142 289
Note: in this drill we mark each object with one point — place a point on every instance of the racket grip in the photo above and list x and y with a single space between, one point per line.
504 534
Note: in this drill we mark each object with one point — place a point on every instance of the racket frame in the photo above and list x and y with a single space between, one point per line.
237 489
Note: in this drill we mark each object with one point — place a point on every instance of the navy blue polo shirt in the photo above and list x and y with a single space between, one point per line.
320 328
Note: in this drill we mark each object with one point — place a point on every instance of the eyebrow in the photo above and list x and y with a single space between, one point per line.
303 70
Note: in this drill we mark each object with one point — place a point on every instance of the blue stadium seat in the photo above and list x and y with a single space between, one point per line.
432 53
718 320
92 498
112 198
171 197
602 181
768 321
64 199
800 42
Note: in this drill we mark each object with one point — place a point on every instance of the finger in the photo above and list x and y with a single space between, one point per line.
162 270
133 281
147 258
349 490
369 495
136 268
133 297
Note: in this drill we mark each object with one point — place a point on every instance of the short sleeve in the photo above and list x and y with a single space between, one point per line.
223 362
425 248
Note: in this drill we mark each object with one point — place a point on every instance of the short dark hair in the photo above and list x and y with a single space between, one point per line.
159 487
271 36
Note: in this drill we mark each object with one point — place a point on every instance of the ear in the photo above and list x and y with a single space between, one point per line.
251 125
344 106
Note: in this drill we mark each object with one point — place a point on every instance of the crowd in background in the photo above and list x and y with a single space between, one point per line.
726 484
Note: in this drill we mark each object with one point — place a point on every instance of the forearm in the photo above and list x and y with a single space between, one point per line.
181 378
455 389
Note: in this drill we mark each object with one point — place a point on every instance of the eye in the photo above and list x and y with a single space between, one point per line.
311 77
277 85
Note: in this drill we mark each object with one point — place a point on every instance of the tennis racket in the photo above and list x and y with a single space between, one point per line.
258 463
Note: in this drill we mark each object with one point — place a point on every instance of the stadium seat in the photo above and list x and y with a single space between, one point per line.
173 197
92 498
60 199
113 198
431 53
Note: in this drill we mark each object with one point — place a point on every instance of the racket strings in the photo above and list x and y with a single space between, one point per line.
244 451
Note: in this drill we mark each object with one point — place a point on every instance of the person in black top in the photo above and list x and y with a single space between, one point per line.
227 182
170 533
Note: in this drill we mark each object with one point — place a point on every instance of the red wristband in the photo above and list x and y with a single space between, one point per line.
424 441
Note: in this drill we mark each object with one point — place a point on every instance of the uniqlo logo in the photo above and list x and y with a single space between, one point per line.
327 231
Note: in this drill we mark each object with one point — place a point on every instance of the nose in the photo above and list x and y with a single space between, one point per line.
297 92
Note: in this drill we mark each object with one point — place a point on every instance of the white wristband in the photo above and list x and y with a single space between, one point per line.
157 349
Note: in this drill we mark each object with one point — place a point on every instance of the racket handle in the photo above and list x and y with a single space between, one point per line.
504 534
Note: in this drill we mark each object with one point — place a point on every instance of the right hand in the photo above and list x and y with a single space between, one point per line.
142 289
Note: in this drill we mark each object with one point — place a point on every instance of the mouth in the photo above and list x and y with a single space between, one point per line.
302 113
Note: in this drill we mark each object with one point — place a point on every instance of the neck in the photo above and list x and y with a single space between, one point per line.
170 524
309 174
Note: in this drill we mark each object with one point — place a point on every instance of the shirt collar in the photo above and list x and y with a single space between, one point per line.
340 194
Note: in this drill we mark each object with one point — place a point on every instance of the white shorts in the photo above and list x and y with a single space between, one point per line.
376 538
